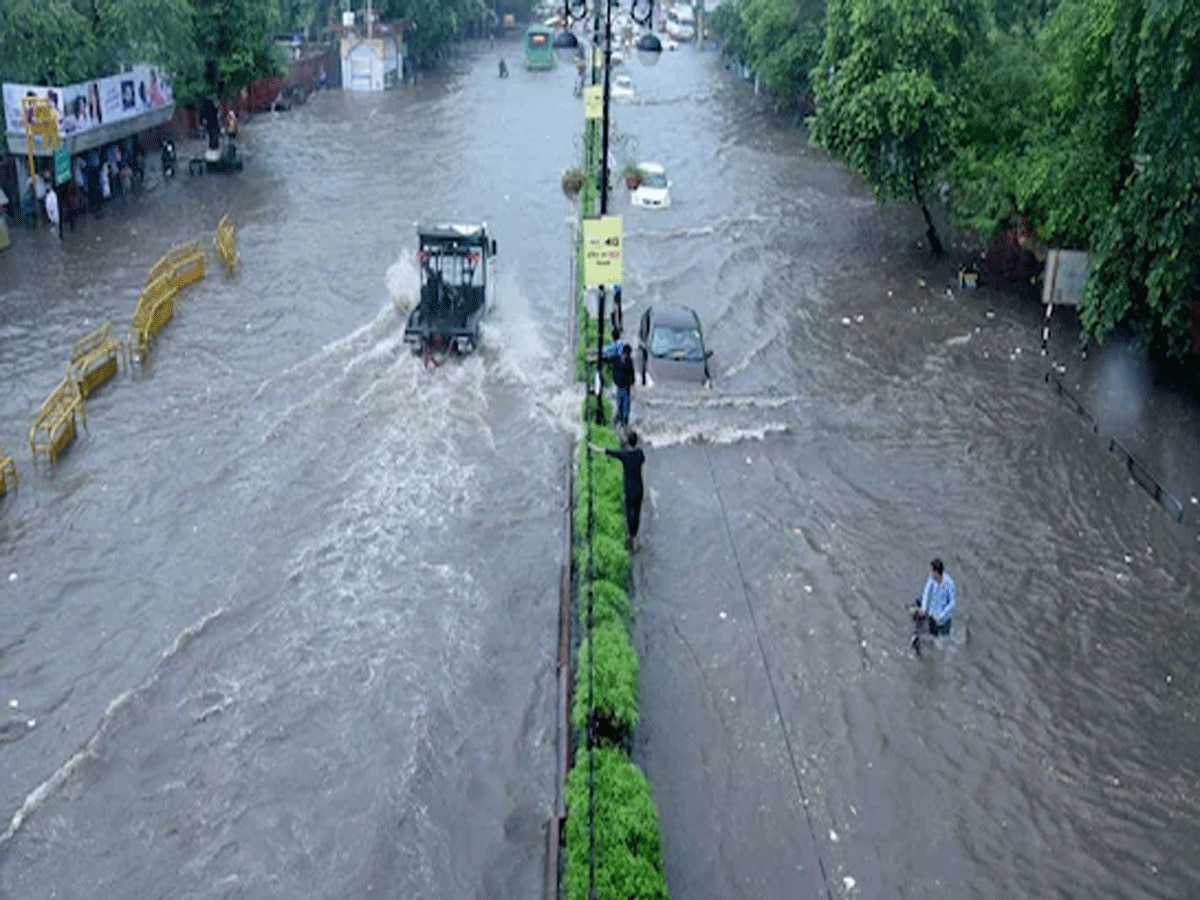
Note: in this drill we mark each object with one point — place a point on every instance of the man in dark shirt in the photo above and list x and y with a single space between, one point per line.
623 378
632 459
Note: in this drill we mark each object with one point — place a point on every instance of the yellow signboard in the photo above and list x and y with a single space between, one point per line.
602 251
593 101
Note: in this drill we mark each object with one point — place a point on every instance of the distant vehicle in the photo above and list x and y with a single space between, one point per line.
456 288
669 43
539 48
671 346
681 22
654 190
621 87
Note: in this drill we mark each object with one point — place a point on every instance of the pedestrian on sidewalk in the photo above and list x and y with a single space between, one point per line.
937 600
632 459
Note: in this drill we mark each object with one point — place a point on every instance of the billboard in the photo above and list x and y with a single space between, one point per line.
90 104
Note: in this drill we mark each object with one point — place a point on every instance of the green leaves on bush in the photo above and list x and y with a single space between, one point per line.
629 860
612 560
614 684
609 604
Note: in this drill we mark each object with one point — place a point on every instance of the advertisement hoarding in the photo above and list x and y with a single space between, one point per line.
90 104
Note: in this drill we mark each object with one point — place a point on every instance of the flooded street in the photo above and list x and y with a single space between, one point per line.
283 623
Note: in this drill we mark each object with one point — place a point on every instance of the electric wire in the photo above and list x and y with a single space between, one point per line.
762 652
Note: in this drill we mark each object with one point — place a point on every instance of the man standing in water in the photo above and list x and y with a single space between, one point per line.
632 459
936 603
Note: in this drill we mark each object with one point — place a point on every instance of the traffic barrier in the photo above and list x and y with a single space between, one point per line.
225 240
184 264
155 308
54 428
8 472
94 359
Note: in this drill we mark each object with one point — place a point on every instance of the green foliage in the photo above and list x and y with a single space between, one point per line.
612 560
780 40
614 683
886 88
1146 250
609 604
629 860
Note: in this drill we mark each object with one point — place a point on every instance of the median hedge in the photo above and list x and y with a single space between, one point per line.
614 707
629 859
628 847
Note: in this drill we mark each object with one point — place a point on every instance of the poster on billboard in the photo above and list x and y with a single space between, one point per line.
90 104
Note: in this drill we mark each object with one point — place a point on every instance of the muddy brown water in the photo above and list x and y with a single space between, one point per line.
283 621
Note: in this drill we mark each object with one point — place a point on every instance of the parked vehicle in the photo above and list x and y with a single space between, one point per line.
621 87
671 346
654 189
681 22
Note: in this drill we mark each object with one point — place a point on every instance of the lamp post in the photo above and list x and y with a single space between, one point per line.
649 49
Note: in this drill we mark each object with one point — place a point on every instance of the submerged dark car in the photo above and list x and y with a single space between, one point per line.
671 346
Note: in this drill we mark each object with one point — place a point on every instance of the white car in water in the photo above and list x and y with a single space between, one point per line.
621 87
654 190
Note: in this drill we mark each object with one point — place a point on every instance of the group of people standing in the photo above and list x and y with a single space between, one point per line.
96 176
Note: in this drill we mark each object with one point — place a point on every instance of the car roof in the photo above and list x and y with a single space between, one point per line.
652 167
674 316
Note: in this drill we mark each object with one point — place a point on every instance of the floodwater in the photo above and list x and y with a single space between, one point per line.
283 623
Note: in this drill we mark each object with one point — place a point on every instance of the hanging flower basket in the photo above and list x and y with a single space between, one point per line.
633 177
572 182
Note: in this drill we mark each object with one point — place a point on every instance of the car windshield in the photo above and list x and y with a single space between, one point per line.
655 180
677 343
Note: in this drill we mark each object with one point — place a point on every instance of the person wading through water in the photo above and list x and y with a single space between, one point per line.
632 459
937 600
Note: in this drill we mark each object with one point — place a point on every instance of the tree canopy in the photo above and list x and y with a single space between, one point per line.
1076 120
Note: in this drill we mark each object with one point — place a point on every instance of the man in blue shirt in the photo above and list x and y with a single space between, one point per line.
936 603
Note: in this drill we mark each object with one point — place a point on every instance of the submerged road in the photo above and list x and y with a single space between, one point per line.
284 620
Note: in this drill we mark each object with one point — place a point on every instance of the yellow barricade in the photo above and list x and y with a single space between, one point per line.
94 359
225 240
8 472
54 428
155 308
184 264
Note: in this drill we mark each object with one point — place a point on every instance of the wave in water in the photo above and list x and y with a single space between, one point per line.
48 788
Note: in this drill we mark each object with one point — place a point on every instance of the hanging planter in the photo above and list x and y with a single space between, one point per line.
633 176
572 182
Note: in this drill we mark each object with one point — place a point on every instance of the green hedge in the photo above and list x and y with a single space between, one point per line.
614 684
610 603
629 859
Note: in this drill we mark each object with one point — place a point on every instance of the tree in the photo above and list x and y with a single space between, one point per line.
887 91
233 39
1146 248
45 42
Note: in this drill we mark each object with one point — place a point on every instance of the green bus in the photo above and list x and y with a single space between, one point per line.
539 48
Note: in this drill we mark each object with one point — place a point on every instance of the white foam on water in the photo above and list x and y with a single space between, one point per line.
36 798
700 433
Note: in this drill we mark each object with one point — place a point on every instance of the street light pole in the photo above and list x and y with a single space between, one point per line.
649 49
604 175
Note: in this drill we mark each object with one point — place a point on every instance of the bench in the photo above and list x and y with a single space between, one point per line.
8 472
155 308
183 264
225 240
